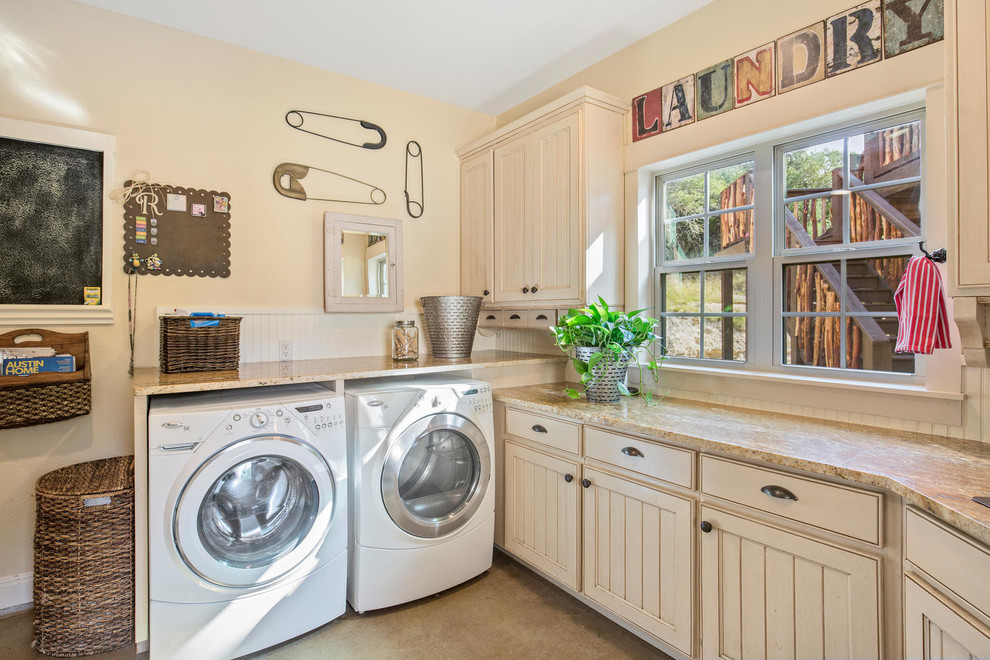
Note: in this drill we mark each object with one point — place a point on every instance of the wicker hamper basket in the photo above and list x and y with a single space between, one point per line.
84 558
213 348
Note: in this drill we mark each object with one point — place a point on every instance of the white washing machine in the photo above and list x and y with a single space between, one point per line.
247 509
422 489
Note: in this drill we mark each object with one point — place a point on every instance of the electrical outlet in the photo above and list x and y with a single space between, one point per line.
284 351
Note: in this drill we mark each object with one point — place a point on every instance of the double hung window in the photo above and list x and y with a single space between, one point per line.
788 257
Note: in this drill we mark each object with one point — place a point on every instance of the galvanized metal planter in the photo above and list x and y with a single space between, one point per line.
607 374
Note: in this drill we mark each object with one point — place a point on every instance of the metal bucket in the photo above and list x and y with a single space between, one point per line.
450 323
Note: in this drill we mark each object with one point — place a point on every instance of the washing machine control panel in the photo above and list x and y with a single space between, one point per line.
478 399
323 417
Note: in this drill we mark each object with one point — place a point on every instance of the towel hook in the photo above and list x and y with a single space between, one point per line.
939 256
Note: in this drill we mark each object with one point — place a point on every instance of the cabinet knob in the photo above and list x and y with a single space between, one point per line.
487 292
632 451
706 526
525 289
779 492
534 289
586 483
539 428
568 478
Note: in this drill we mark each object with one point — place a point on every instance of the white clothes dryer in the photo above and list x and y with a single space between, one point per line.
422 489
247 510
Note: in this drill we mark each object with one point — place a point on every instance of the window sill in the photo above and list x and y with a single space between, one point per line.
885 400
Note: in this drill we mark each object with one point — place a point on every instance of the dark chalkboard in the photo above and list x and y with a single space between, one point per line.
51 223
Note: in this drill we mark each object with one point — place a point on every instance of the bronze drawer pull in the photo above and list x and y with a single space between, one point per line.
539 428
632 451
779 492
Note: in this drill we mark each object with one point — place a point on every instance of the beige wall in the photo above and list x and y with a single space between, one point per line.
196 112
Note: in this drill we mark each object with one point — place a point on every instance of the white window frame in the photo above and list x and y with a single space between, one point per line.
765 304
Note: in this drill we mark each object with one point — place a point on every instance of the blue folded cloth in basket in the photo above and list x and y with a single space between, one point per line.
209 320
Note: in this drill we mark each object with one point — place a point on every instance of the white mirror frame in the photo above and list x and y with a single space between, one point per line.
334 224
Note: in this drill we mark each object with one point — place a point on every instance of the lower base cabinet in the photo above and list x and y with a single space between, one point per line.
768 593
936 629
638 555
541 512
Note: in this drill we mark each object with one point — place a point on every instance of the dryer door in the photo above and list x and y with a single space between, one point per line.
436 475
254 511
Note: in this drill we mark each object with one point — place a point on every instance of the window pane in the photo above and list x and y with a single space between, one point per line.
682 292
811 169
813 341
886 154
730 233
812 287
725 338
872 283
809 223
870 345
685 196
682 336
725 291
883 214
685 240
730 187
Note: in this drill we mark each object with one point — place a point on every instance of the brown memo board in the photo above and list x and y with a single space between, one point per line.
162 239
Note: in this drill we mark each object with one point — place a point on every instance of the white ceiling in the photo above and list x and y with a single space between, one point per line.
485 56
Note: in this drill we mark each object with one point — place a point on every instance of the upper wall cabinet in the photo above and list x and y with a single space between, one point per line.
542 206
968 24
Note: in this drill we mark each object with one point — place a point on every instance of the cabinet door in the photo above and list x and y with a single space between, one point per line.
541 512
556 236
767 593
972 83
638 556
934 629
477 230
513 220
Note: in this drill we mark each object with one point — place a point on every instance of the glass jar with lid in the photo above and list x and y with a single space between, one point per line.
405 341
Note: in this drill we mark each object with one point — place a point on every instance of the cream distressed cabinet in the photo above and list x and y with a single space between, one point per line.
542 206
598 525
967 25
770 593
946 592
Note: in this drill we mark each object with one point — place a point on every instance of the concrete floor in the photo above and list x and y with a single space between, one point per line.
509 611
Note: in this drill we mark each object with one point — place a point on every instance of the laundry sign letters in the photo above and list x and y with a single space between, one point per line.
863 35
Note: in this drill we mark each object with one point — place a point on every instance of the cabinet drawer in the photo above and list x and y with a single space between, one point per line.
847 511
490 318
658 461
514 318
958 563
556 433
541 318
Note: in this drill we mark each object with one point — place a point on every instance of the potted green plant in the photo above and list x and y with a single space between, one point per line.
604 343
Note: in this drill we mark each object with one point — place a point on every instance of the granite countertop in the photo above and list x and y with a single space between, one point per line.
149 380
940 475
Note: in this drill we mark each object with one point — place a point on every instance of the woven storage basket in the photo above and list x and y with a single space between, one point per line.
451 322
185 348
49 396
84 558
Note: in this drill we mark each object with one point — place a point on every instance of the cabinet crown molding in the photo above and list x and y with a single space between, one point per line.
572 100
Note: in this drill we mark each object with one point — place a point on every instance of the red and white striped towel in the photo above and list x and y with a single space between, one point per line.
922 323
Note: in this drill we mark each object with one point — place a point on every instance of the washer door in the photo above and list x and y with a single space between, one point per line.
436 475
254 511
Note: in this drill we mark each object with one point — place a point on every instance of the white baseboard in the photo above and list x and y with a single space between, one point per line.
16 592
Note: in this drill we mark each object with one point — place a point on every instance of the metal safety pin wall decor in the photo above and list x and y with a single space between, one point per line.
297 118
287 178
415 208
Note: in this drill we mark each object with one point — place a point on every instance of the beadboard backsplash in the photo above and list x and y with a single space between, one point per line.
313 334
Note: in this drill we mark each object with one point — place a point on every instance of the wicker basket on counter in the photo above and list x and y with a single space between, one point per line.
451 322
84 558
183 348
47 396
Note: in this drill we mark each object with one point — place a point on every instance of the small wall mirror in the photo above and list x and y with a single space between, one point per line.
363 263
